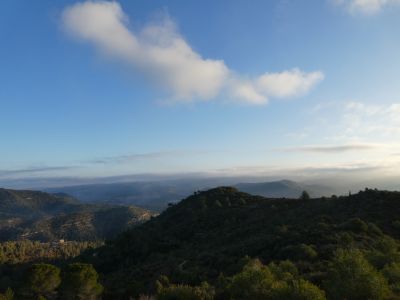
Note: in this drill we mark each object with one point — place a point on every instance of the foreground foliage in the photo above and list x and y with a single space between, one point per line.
80 281
350 276
44 281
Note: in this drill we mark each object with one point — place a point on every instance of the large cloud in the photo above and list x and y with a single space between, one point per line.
162 55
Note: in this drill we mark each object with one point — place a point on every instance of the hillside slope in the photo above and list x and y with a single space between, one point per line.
211 232
41 216
34 203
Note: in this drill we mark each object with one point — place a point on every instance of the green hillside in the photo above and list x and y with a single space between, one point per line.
210 233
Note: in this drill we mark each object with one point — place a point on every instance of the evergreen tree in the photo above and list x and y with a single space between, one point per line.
305 195
42 280
80 281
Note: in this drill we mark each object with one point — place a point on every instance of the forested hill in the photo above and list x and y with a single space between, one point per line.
41 216
34 203
211 232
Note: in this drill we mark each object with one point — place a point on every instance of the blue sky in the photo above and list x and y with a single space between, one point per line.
222 87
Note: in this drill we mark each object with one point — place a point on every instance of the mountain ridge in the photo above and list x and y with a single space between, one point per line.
41 216
158 194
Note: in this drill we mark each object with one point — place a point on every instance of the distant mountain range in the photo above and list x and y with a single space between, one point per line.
283 188
157 194
150 195
41 216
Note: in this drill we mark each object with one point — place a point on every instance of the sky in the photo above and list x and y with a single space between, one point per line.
279 88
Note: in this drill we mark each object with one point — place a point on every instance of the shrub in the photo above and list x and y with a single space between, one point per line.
7 295
253 282
298 290
275 282
352 277
356 225
284 270
299 252
385 252
167 291
392 274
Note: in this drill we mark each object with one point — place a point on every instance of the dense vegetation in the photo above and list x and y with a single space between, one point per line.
209 234
46 281
17 252
225 244
44 217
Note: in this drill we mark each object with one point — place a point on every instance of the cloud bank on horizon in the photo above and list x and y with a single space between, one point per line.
164 57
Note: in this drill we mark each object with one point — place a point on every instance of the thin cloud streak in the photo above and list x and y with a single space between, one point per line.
307 171
144 156
332 148
33 170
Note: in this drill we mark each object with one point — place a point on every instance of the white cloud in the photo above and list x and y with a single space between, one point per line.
158 50
287 83
162 55
368 7
245 90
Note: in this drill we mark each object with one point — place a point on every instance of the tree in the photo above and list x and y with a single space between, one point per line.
351 276
80 281
184 292
305 195
276 282
284 270
253 282
42 280
299 252
7 295
298 290
385 251
392 274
